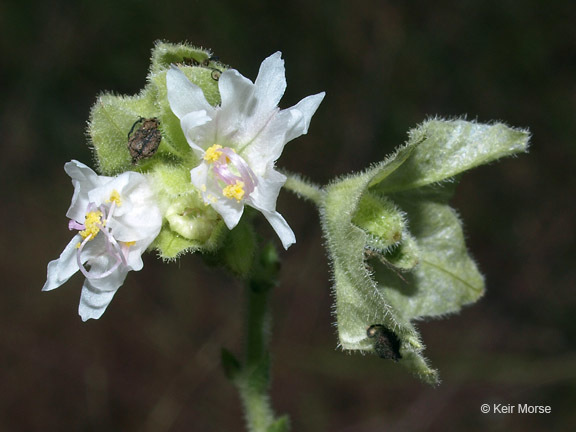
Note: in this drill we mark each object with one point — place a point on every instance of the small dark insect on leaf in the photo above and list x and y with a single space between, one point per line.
386 343
144 140
189 61
215 74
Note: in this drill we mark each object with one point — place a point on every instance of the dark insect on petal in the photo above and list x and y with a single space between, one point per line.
386 343
143 141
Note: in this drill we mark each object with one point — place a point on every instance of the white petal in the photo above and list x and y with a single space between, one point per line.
143 224
199 177
281 128
184 97
270 83
264 197
236 124
96 257
61 269
230 210
84 180
134 259
268 90
199 135
281 227
265 147
299 123
138 217
98 293
266 193
101 193
237 96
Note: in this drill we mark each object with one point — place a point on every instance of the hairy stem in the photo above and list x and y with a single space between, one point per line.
252 378
303 188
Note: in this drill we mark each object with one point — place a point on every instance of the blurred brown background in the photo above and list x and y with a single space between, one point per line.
152 362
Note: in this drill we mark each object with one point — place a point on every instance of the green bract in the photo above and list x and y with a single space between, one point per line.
397 248
114 126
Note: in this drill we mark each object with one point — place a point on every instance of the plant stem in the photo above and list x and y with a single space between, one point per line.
254 382
304 188
252 378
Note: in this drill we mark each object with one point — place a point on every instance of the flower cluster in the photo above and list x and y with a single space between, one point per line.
180 161
233 146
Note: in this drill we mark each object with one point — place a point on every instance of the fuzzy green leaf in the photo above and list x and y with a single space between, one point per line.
359 301
166 54
446 278
428 272
111 119
447 148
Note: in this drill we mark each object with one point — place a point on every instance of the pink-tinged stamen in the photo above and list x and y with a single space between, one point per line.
90 274
73 225
105 216
113 248
223 173
246 174
230 159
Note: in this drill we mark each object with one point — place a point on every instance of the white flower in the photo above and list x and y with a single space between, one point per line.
116 218
240 140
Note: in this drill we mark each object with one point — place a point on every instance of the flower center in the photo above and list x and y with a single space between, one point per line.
232 172
95 223
234 191
213 153
92 225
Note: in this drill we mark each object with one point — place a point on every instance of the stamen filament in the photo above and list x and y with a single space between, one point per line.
247 176
73 225
113 248
232 170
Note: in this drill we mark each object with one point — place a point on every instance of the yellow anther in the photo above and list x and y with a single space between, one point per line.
234 191
213 153
115 197
92 225
130 243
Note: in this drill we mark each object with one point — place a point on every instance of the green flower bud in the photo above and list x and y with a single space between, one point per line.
189 220
190 224
380 219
